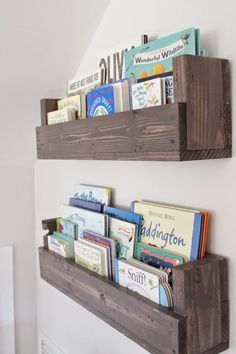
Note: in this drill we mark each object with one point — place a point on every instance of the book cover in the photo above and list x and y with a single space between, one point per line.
125 215
148 94
137 280
125 234
67 228
85 219
60 116
61 245
72 103
85 204
94 194
174 230
91 256
168 85
161 273
83 83
101 101
156 56
107 242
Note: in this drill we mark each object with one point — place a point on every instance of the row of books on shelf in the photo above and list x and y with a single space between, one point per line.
142 77
136 248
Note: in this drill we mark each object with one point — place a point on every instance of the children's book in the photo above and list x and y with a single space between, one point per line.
91 256
156 56
72 103
125 234
125 215
61 245
85 219
60 116
104 241
174 230
161 273
148 94
92 193
138 280
168 85
67 228
85 204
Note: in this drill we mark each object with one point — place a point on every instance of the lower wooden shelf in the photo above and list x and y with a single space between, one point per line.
198 324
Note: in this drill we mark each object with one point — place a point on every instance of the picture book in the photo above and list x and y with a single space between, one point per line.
156 56
161 273
148 94
72 103
85 204
104 241
61 245
125 215
168 85
138 280
60 116
174 230
85 219
101 101
125 234
67 228
95 194
83 83
91 256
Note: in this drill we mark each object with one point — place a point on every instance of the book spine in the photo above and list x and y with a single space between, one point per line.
94 206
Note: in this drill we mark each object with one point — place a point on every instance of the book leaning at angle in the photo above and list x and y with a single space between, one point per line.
156 56
85 219
72 103
60 116
174 230
61 244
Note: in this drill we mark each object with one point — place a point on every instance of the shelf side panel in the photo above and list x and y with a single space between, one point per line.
156 133
47 105
204 84
153 327
201 293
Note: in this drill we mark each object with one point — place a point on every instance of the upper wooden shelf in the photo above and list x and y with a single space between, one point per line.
197 126
199 323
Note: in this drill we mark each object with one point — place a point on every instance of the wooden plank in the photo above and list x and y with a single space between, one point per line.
201 293
155 328
157 133
47 105
203 83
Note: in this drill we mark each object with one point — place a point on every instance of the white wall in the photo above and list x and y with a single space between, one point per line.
41 45
208 185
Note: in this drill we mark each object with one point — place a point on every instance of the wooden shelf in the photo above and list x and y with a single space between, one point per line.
197 126
200 320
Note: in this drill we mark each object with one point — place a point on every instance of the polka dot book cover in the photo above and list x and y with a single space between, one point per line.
156 56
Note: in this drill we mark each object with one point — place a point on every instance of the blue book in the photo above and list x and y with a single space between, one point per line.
101 102
125 215
84 204
156 56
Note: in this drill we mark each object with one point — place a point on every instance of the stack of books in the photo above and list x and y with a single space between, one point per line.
136 248
145 79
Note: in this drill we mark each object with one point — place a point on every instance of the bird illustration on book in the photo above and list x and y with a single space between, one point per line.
185 38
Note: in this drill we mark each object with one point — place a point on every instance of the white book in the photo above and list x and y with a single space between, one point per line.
85 219
125 234
91 256
138 280
92 193
161 273
148 94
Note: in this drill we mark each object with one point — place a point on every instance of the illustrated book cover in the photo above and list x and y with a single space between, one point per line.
72 103
61 245
148 94
168 85
95 194
101 101
67 228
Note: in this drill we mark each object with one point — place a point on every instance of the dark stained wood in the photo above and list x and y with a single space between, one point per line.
155 328
201 293
50 226
204 85
47 105
157 133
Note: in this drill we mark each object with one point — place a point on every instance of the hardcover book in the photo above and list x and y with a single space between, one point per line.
148 94
72 103
101 101
61 245
67 228
138 280
60 116
168 85
92 194
83 83
91 256
125 234
174 230
156 56
85 219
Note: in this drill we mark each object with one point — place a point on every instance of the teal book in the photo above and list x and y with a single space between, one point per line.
156 56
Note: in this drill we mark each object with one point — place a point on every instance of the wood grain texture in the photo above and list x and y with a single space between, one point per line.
201 293
157 133
204 84
47 105
155 328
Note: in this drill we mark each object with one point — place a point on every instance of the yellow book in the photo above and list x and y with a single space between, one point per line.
60 116
72 103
